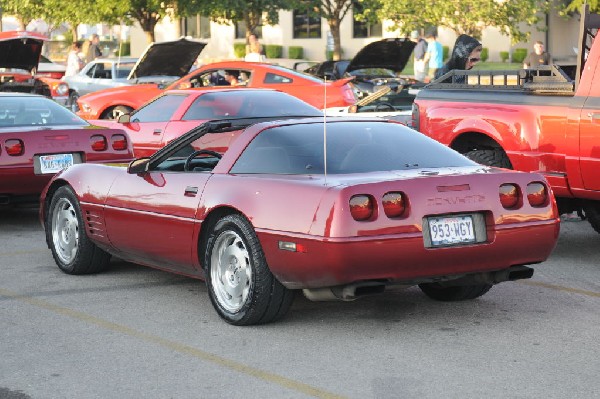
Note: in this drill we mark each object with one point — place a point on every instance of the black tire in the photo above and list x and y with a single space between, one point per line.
115 112
495 157
72 102
454 293
73 251
241 287
591 209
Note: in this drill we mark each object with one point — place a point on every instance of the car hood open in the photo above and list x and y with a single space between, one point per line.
391 54
21 49
174 58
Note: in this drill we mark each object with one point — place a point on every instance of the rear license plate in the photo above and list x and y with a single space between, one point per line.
55 163
451 230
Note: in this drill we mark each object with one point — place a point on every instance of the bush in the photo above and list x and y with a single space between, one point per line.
296 52
504 55
519 55
124 50
273 50
445 52
239 50
485 54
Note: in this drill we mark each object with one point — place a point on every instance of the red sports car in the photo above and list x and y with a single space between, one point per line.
386 206
19 58
111 103
38 138
177 111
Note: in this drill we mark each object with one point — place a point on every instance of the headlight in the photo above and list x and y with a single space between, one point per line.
62 89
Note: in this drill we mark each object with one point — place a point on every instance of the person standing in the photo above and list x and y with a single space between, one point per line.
74 62
420 68
434 57
465 55
94 49
537 57
254 50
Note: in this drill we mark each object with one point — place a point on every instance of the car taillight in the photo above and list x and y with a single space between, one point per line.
119 142
14 147
537 194
394 204
348 94
98 142
509 196
414 118
362 207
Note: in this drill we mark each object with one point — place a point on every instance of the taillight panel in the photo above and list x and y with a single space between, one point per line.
14 147
118 142
362 207
510 196
537 194
98 142
394 204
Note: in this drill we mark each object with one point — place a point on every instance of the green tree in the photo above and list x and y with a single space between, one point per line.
469 17
24 11
252 12
571 6
334 11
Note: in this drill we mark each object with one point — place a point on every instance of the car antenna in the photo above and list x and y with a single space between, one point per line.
325 130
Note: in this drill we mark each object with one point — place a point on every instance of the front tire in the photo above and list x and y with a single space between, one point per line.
241 287
73 251
115 112
495 157
592 213
454 293
73 97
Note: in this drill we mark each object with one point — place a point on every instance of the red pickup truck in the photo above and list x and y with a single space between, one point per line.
531 120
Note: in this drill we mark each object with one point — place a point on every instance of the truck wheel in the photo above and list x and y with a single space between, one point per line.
592 213
496 157
73 251
458 293
241 287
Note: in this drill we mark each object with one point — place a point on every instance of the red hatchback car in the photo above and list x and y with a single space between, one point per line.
370 204
38 138
175 112
111 103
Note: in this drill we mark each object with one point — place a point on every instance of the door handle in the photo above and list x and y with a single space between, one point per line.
157 131
191 191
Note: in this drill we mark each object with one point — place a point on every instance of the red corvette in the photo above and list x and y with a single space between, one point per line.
38 138
177 111
111 103
385 207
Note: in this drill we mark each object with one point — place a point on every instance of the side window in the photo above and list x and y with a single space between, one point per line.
274 78
90 73
159 110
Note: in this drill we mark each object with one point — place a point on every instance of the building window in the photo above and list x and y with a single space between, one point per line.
240 30
361 29
197 26
306 26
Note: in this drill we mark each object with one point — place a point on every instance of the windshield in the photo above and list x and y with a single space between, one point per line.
352 147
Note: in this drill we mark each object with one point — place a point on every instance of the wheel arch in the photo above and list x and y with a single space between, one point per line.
210 219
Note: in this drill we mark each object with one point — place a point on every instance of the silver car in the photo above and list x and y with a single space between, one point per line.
161 62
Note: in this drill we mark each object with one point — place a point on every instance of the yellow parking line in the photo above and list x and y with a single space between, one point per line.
178 347
561 288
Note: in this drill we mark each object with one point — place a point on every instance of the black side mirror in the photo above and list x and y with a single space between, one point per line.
125 118
138 166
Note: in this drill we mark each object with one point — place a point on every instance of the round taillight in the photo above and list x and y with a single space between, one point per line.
361 207
14 147
394 204
98 142
537 194
119 142
509 195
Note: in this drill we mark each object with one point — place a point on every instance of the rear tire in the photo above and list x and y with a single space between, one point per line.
495 157
73 97
592 213
241 287
73 251
454 293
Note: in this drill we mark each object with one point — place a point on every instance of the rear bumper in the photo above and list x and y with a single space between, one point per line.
403 258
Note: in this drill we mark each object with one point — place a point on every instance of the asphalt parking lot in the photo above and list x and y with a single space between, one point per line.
134 332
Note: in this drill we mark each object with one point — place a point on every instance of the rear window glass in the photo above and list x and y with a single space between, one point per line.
32 110
352 147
